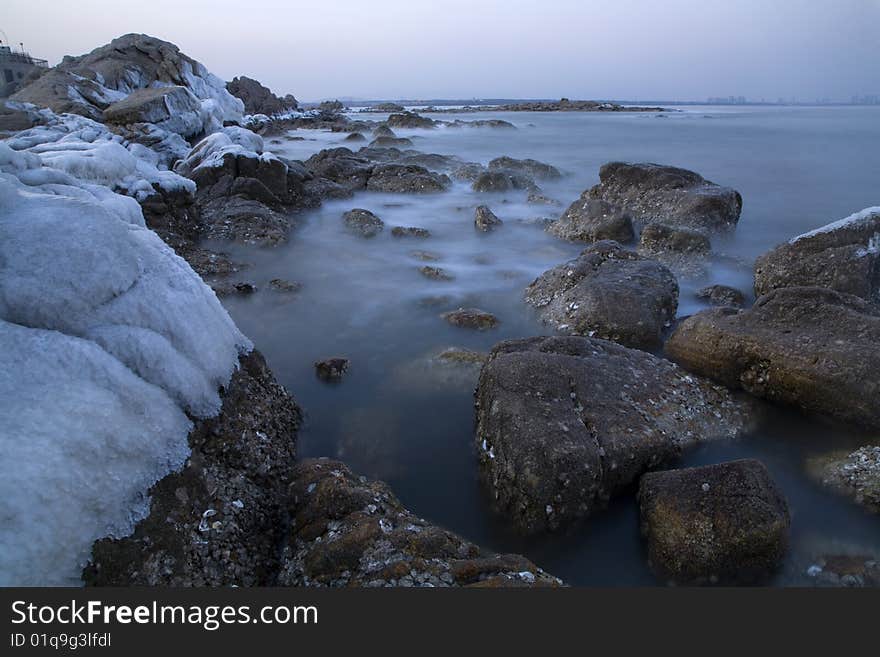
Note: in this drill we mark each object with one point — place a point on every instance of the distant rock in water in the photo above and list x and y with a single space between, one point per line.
676 197
406 179
388 107
591 220
843 256
258 99
410 120
410 231
608 292
355 136
485 220
566 105
331 369
499 181
351 531
810 347
363 222
472 318
565 423
331 106
531 168
724 523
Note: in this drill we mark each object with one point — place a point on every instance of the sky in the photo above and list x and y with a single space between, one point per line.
585 49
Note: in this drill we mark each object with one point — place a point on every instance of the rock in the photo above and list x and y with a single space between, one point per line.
565 423
472 318
591 220
331 107
468 172
331 369
722 295
462 356
341 166
501 181
676 197
220 520
426 256
848 570
229 288
402 178
355 136
809 347
435 273
388 107
527 167
410 231
843 256
659 239
282 285
433 161
258 99
537 198
485 220
409 120
854 474
363 222
608 292
726 523
383 131
155 105
350 531
391 142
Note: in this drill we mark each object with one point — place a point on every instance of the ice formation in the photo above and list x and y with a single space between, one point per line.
109 342
232 140
853 220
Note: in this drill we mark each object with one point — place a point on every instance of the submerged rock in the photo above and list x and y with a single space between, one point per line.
565 423
485 220
331 369
591 220
355 136
528 167
390 142
411 231
608 292
806 346
843 256
501 181
363 222
854 474
229 288
220 520
426 256
282 285
435 273
350 531
406 178
719 523
722 295
676 197
472 318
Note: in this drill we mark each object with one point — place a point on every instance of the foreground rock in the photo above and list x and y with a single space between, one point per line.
363 222
485 220
807 346
854 474
258 99
472 318
844 256
591 220
717 523
565 423
349 531
676 197
608 292
220 520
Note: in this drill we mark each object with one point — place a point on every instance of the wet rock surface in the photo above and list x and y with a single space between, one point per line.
854 474
409 120
676 197
363 222
350 531
608 292
220 520
843 256
810 347
565 423
485 220
659 239
499 181
435 273
592 220
528 167
331 369
411 231
406 179
722 295
472 318
723 523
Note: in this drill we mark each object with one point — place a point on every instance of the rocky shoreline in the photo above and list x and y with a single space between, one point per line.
602 408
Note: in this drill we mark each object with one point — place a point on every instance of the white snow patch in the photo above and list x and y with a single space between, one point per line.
862 216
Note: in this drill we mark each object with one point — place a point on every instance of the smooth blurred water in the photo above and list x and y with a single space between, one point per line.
403 418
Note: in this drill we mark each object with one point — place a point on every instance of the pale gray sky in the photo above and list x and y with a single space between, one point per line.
674 49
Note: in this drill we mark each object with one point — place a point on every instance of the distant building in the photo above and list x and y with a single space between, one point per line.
15 67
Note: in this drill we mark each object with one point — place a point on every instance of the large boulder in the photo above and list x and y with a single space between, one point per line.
565 423
220 519
810 347
173 108
855 474
341 166
409 120
350 531
676 197
724 523
406 179
528 167
363 222
258 99
608 292
844 256
591 220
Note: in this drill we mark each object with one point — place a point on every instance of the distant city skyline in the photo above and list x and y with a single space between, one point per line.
689 50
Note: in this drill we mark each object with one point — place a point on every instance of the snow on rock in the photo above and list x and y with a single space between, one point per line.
90 84
215 148
855 220
108 340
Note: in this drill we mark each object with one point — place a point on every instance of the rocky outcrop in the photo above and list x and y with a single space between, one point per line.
220 520
608 292
528 167
565 423
676 197
843 256
363 222
809 347
350 531
406 179
172 108
341 166
724 523
854 474
485 220
591 220
409 120
258 99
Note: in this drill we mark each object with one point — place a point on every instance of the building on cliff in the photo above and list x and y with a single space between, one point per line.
15 67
